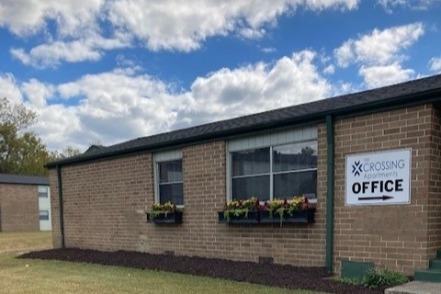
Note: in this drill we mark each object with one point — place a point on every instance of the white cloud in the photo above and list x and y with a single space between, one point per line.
78 31
124 104
118 105
345 54
383 75
379 47
24 17
230 93
268 49
51 54
380 54
9 88
435 64
37 92
329 70
390 5
183 25
57 126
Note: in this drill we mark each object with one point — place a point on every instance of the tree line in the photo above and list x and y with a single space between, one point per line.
21 150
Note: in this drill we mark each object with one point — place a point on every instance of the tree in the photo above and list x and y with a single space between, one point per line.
68 151
21 151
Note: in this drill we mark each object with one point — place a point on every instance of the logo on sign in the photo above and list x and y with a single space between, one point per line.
356 168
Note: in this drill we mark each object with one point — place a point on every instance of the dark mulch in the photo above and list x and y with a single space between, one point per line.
285 276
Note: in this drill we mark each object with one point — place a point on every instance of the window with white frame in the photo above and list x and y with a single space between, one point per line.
44 215
168 177
43 191
270 166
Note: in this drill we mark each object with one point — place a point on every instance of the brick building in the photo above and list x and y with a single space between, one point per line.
24 203
104 192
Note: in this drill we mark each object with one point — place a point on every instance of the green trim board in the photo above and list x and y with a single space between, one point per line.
329 194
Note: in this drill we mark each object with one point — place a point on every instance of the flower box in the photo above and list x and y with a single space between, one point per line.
251 211
164 213
166 218
240 212
299 217
252 218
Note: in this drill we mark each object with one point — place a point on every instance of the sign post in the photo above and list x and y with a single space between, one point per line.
378 178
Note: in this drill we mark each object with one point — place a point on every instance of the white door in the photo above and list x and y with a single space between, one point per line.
44 205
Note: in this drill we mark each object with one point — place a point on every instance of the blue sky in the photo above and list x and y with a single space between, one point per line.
103 71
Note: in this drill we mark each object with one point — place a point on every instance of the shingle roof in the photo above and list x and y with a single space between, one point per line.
23 180
413 92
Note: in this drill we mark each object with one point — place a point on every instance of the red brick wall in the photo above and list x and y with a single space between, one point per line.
392 236
19 208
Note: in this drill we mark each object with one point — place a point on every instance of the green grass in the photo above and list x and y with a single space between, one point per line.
38 276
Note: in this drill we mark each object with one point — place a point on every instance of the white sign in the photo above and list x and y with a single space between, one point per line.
378 178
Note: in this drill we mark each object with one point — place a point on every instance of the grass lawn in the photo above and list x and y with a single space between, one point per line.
37 276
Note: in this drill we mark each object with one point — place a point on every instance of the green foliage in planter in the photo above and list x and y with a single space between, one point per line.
240 208
281 207
159 209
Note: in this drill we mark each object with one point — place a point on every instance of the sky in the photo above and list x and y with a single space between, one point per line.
107 71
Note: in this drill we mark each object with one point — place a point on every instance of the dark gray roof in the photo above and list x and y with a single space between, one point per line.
413 92
23 180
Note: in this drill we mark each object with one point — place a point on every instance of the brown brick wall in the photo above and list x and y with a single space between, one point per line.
104 203
19 208
392 236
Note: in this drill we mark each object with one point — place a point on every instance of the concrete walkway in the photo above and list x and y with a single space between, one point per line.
415 287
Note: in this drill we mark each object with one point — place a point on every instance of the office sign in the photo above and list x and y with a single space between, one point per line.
378 178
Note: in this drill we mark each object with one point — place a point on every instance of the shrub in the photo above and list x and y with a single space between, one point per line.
375 279
378 278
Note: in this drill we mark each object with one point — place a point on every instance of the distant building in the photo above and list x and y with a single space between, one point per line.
24 203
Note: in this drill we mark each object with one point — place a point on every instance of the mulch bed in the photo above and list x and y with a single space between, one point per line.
285 276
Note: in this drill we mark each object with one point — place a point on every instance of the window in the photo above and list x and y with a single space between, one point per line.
168 178
43 191
44 214
251 173
286 167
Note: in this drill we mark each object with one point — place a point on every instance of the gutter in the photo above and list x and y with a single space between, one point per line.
61 205
329 251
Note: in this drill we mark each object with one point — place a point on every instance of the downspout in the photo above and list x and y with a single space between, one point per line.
60 205
330 193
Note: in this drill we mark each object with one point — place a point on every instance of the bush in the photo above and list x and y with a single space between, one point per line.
375 279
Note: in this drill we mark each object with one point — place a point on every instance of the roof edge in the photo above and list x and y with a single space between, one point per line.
390 102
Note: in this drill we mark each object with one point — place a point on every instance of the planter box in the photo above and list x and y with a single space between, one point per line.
299 217
263 217
252 218
170 218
